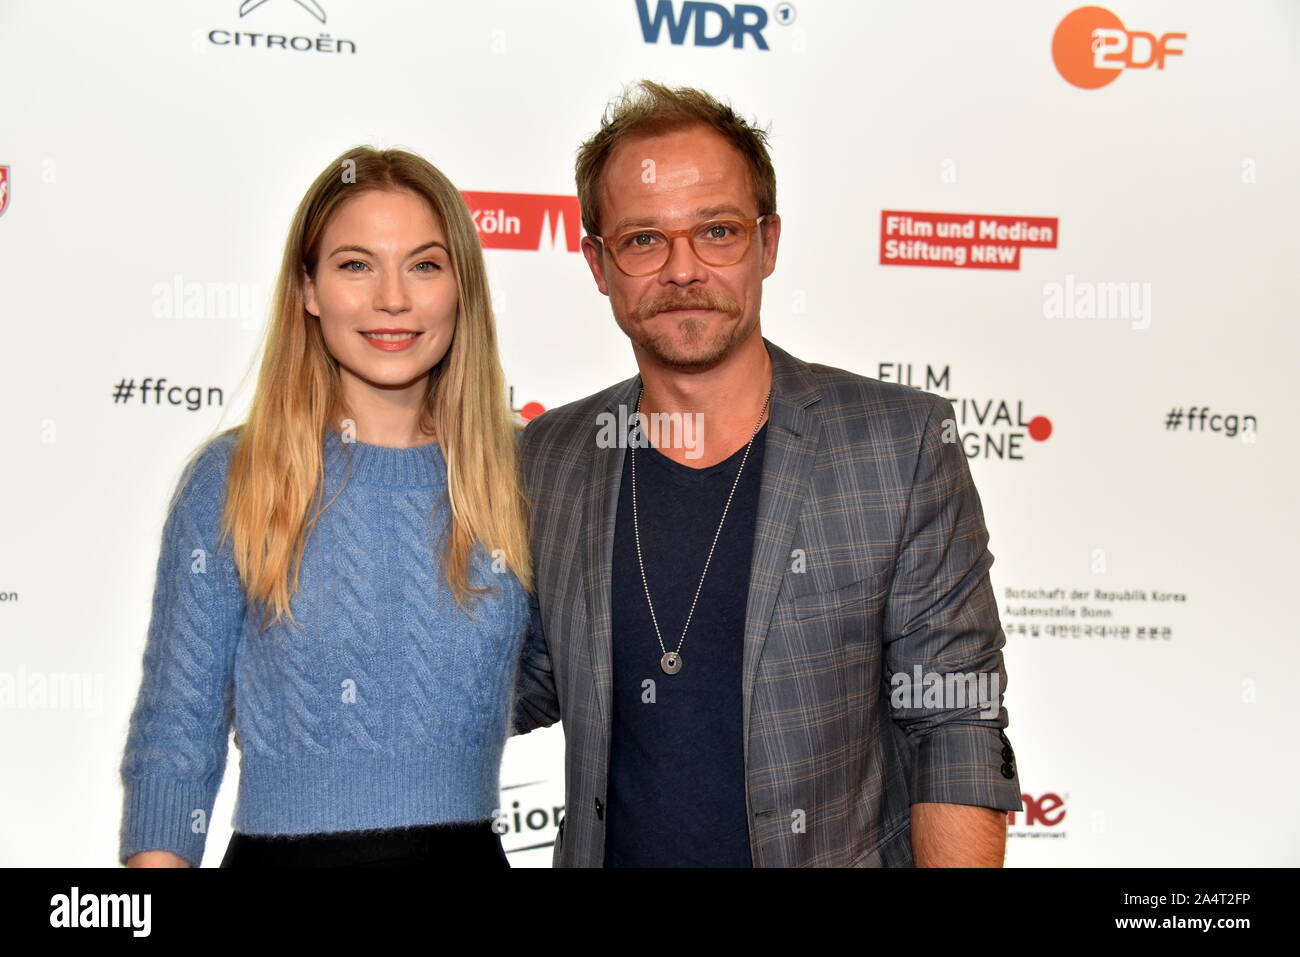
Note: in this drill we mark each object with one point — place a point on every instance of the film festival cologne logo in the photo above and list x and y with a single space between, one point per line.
988 427
531 222
4 189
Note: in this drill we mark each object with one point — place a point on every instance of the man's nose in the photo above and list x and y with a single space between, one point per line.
683 266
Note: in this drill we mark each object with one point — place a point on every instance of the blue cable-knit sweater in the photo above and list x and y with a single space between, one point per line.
389 708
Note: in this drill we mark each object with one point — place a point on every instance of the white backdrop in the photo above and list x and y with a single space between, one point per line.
151 166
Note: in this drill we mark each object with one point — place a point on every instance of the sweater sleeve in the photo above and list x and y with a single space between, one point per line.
175 752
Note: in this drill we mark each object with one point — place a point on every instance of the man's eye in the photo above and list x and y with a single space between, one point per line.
719 231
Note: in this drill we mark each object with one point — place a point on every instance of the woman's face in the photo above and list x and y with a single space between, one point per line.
384 290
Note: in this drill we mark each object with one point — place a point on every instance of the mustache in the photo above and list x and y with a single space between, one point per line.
698 299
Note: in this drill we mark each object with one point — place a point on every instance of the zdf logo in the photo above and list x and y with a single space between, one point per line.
1091 47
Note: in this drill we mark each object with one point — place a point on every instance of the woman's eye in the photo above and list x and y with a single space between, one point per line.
433 266
346 267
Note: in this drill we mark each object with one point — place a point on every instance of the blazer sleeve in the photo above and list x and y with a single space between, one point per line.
536 704
941 618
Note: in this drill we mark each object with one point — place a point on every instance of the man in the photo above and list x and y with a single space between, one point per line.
723 622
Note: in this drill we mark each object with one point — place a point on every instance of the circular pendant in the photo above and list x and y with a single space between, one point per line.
671 663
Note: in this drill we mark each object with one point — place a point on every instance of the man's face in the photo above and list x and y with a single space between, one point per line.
688 315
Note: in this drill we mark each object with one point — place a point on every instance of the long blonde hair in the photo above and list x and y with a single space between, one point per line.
276 482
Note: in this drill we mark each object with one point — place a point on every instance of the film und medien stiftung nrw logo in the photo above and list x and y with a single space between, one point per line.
702 24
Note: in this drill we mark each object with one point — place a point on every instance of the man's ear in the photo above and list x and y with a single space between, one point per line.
593 251
770 235
309 295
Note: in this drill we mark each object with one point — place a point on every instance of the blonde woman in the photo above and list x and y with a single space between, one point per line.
345 576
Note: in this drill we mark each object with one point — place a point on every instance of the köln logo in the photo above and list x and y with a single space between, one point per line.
4 189
525 220
311 6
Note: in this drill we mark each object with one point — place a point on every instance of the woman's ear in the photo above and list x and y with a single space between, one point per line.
309 295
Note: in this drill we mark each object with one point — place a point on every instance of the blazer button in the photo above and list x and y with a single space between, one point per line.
1007 753
600 809
1007 770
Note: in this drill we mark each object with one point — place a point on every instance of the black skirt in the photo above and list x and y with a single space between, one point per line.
475 846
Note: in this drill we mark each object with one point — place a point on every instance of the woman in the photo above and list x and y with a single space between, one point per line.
348 568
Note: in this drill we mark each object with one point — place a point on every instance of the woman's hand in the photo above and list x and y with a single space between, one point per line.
156 859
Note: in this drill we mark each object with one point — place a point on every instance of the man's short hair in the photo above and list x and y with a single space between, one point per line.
651 108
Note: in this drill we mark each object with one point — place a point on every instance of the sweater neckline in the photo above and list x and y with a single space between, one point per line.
420 466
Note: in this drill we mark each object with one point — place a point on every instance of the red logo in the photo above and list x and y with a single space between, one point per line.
961 240
1091 47
1047 810
4 189
524 220
529 410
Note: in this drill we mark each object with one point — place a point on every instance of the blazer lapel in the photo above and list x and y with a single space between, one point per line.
600 510
793 435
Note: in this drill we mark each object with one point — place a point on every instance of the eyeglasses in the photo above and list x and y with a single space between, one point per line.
644 251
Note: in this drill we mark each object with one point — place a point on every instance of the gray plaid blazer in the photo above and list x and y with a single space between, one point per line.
870 559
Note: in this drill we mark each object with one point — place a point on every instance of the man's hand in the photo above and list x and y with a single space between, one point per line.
958 835
156 859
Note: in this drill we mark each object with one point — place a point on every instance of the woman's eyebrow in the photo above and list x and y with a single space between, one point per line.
417 250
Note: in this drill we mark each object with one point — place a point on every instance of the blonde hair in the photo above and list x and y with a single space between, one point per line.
276 478
651 108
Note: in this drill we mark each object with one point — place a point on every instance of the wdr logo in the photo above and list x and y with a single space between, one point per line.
714 23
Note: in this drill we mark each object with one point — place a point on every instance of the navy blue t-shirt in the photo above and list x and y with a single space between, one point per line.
677 770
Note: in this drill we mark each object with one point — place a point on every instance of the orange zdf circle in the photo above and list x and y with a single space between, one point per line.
1075 47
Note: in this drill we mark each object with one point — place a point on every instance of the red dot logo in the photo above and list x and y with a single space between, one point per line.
531 410
1040 428
1076 44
